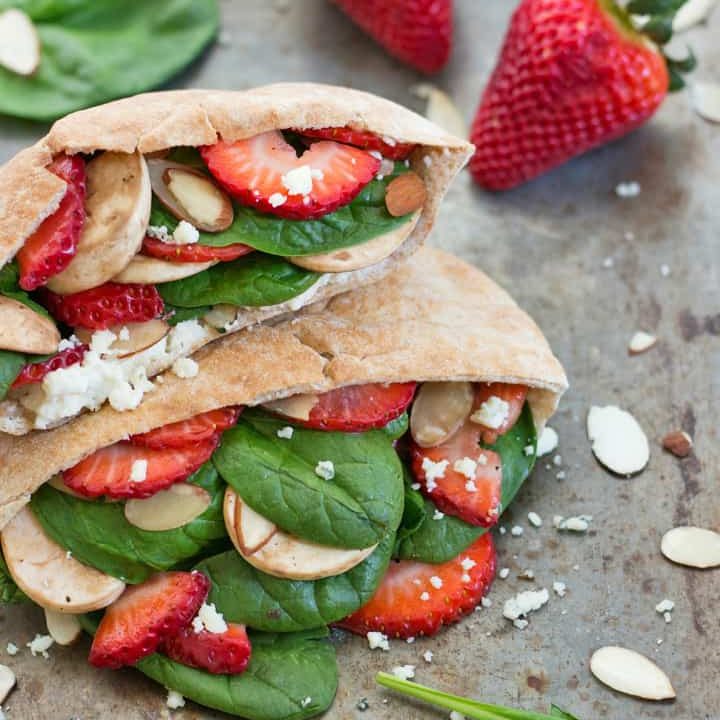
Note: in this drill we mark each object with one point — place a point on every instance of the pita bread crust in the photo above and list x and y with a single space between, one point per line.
441 319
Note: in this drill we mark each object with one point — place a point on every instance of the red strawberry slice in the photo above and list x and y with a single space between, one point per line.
362 139
252 171
357 408
470 492
104 306
513 395
225 653
193 253
35 372
53 245
146 615
416 598
108 471
188 432
417 32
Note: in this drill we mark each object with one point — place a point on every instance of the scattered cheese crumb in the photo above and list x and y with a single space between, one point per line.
377 640
520 623
503 574
455 715
466 466
425 596
470 486
433 470
415 486
158 232
277 199
299 181
557 460
185 368
581 523
608 262
124 334
486 602
547 442
492 413
628 189
325 469
306 701
516 531
437 515
524 603
138 470
482 459
560 475
640 342
665 606
559 588
467 563
534 519
174 700
428 656
404 672
465 578
185 234
286 432
436 582
208 618
12 649
503 530
665 270
410 640
40 644
529 450
668 617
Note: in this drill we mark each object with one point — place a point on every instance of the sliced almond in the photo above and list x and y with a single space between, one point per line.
358 256
641 342
25 331
618 441
295 406
19 43
7 682
248 530
405 194
63 628
56 482
139 336
678 442
49 575
706 100
117 211
168 509
441 110
692 13
151 271
692 546
631 673
191 195
439 409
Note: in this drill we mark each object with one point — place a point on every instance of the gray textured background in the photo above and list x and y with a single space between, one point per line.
546 244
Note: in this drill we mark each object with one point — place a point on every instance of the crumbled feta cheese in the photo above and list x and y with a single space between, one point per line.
559 588
410 640
503 574
470 486
40 644
286 432
608 262
436 582
425 596
404 672
502 530
560 475
492 413
557 460
433 471
174 700
581 523
208 618
428 656
376 154
665 270
185 368
378 640
486 602
668 617
524 603
547 442
299 181
185 234
12 649
482 459
664 606
467 563
437 515
516 531
124 334
138 470
158 232
68 343
102 340
520 623
455 715
68 554
534 519
466 466
529 450
277 199
305 702
628 189
415 486
325 469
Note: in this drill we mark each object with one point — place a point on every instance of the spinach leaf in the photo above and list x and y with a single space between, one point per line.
396 428
252 280
277 478
247 595
415 511
98 534
363 219
96 51
11 363
284 670
10 287
9 591
177 314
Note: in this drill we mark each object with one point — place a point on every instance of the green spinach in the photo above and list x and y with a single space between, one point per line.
10 287
249 596
11 363
98 534
177 315
92 52
396 428
252 280
9 591
277 478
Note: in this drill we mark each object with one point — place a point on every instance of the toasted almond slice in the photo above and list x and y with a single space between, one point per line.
678 442
358 256
56 482
297 407
440 408
405 194
248 530
441 110
191 195
640 342
631 673
618 441
63 628
692 546
706 100
150 271
168 509
48 575
287 556
19 43
693 12
7 682
139 336
118 208
25 331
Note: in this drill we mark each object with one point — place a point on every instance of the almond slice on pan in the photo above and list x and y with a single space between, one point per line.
19 43
117 211
358 256
618 441
297 407
631 673
139 336
49 575
63 628
147 270
25 331
692 546
168 509
440 408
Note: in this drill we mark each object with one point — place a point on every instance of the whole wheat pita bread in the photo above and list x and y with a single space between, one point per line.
440 319
157 121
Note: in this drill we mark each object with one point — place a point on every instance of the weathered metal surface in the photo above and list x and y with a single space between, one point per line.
546 243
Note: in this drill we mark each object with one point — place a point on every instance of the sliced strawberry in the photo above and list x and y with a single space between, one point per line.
514 395
108 471
35 372
188 432
145 615
104 306
470 492
416 598
225 653
193 253
252 171
357 408
362 139
53 245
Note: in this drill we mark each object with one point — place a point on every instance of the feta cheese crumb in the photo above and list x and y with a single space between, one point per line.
547 442
286 432
158 232
466 466
410 640
185 234
502 530
503 574
455 715
628 189
138 470
482 459
665 270
377 640
516 531
404 672
529 450
277 199
185 368
306 701
174 700
124 334
436 582
668 617
415 486
520 623
325 469
664 606
608 262
299 181
437 515
12 649
467 563
40 644
425 596
524 603
433 470
534 519
559 588
470 486
208 618
492 413
581 523
428 656
486 602
557 460
465 578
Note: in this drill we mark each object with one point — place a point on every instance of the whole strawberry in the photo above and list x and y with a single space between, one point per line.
572 75
417 32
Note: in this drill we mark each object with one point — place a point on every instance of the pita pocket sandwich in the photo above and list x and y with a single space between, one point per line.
136 232
212 535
